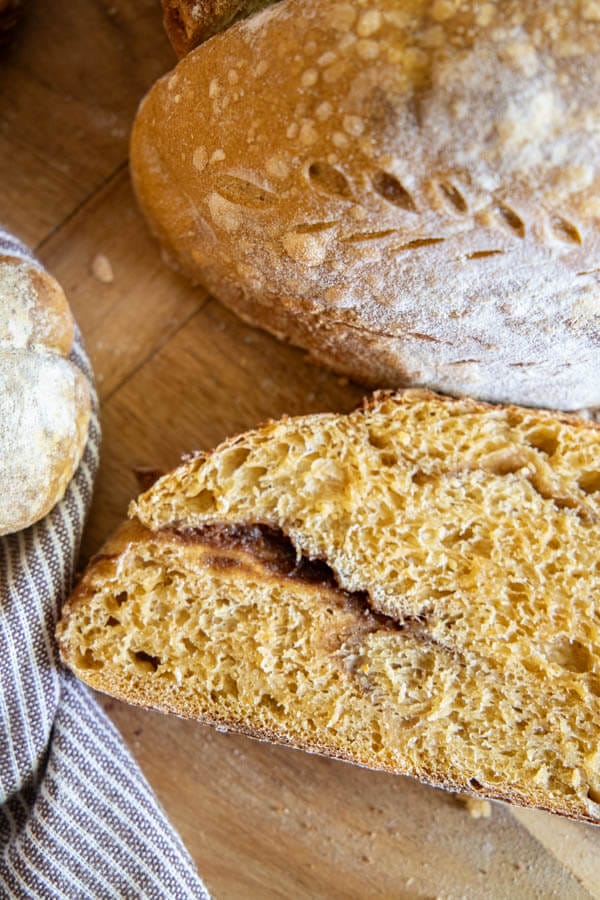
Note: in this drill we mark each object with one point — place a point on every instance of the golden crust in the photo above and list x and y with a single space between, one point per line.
410 194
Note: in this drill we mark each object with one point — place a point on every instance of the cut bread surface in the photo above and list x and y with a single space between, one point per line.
449 632
190 22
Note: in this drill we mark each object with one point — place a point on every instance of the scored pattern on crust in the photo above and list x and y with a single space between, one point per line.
324 178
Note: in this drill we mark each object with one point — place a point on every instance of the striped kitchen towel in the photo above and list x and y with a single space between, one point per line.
77 818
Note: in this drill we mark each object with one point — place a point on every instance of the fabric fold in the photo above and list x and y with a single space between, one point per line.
77 817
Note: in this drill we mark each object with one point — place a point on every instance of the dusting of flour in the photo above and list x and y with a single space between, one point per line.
44 398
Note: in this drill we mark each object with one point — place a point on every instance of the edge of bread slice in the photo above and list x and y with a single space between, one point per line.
412 587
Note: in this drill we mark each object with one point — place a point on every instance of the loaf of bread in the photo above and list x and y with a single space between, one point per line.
190 22
412 587
45 398
409 191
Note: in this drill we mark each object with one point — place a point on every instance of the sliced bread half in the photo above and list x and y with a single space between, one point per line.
413 587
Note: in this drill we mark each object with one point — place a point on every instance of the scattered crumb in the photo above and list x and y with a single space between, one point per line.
102 269
477 809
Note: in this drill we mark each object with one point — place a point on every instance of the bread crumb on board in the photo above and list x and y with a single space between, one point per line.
102 269
477 808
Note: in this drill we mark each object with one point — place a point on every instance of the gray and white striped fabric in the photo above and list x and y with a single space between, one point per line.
77 818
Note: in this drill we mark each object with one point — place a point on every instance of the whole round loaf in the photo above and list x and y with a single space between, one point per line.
44 397
409 191
10 13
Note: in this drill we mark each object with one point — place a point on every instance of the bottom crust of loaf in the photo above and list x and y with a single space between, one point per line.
227 626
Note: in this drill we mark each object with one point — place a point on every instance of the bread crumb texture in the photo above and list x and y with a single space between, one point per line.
415 185
446 628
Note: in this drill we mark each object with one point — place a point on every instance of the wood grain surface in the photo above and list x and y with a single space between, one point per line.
177 372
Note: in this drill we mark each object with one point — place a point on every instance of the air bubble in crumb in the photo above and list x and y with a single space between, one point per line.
102 269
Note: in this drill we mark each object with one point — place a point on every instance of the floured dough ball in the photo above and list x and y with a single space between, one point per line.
44 397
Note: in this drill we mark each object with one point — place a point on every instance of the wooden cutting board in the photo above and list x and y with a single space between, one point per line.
176 372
